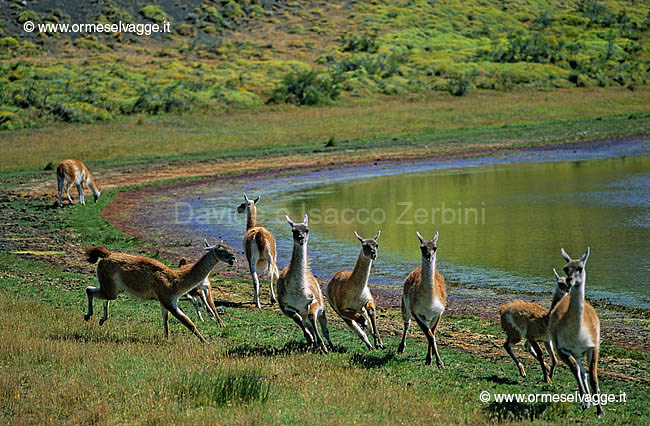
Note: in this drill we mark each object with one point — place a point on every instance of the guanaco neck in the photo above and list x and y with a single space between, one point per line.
91 184
361 272
251 216
195 275
557 296
428 276
577 303
298 266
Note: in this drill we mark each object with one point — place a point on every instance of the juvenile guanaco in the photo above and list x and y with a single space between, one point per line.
529 321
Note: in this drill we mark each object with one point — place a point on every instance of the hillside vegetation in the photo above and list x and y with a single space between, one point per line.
230 54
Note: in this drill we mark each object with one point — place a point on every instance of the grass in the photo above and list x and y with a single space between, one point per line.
55 367
482 118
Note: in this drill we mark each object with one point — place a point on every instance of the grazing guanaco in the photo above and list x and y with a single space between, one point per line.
259 246
299 294
149 279
74 172
575 330
201 295
529 321
350 297
424 298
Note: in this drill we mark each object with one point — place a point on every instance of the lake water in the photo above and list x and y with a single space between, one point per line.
501 224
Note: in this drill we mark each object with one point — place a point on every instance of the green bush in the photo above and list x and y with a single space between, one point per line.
154 13
28 15
79 112
306 88
359 43
458 86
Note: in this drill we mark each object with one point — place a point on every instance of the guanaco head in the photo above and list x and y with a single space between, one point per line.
300 230
428 248
575 269
222 252
96 196
247 204
369 247
561 282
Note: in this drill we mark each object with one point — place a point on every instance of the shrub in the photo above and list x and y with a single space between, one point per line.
154 13
231 9
28 15
9 43
305 88
296 29
239 99
79 112
86 43
362 43
458 86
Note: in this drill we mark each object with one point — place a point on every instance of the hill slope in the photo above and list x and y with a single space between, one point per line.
241 54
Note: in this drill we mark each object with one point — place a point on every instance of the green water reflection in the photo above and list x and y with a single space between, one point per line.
506 219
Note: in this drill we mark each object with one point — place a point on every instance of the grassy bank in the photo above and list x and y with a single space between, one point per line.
482 119
57 368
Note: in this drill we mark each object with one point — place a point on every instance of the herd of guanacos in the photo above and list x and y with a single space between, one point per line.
570 328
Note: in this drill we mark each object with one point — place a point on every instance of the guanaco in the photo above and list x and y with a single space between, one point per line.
529 321
149 279
299 294
350 296
424 298
259 246
201 296
575 330
74 172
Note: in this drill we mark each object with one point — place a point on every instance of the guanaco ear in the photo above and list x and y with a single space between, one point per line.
435 238
419 237
358 236
565 255
289 220
305 219
377 236
245 197
585 256
557 277
256 200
